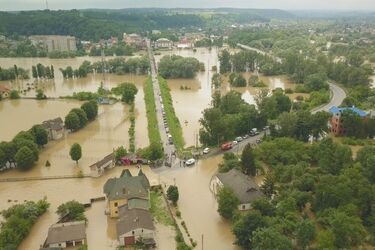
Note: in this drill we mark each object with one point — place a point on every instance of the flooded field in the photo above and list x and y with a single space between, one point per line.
101 231
190 103
198 205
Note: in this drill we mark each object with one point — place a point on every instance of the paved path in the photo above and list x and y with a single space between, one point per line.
337 93
337 97
168 149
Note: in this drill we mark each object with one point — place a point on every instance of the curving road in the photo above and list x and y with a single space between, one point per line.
337 93
337 97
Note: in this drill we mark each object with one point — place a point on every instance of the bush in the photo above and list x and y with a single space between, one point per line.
14 94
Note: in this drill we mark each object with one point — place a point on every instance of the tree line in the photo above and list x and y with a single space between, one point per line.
315 196
178 67
13 73
43 72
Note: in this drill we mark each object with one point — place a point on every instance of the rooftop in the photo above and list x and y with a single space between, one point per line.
55 124
105 160
132 219
127 186
243 187
336 110
68 231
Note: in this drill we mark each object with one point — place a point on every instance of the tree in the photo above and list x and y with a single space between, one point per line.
348 230
72 121
270 238
128 92
244 228
316 82
325 239
91 109
225 65
353 124
227 202
248 161
14 94
119 153
40 134
366 156
21 142
264 206
268 187
75 152
40 95
81 115
71 211
3 158
25 158
172 194
41 70
216 80
34 72
305 233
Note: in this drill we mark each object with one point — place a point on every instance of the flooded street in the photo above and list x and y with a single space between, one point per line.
198 205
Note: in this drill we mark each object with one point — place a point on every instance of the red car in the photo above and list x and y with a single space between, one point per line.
226 146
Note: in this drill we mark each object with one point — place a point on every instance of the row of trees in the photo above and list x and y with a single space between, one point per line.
23 150
315 196
13 73
84 69
356 126
79 117
121 66
18 221
178 67
120 49
40 71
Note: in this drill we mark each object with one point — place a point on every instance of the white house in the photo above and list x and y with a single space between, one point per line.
163 43
69 234
133 225
244 187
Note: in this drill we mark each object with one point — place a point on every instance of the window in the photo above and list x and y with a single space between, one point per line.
116 204
243 207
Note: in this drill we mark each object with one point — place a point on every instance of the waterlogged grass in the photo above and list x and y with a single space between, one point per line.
174 124
152 126
159 209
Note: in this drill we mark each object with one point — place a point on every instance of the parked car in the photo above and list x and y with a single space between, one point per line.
239 139
167 129
206 151
245 136
190 162
235 143
226 146
255 131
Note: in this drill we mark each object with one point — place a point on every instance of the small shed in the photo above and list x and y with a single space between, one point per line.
55 128
98 168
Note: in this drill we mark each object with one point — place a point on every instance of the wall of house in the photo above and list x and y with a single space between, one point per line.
57 134
138 233
62 244
243 207
113 206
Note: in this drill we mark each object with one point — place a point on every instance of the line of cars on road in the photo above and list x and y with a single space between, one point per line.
229 145
170 139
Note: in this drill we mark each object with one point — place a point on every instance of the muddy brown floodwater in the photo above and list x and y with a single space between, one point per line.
101 231
190 103
198 205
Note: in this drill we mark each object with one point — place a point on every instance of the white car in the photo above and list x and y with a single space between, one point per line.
234 143
190 162
206 151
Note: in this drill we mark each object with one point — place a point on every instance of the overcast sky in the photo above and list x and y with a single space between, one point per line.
116 4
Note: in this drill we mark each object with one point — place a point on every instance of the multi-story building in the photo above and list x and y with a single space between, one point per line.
336 121
55 43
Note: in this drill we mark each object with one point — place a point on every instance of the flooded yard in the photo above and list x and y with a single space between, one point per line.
101 231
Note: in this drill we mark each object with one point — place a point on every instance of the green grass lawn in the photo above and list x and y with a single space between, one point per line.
152 126
159 209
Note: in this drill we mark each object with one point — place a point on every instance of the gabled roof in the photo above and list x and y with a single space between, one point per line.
68 231
133 219
138 203
336 110
127 187
54 124
4 89
105 160
245 189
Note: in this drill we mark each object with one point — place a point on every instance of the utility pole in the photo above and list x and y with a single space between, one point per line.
202 241
46 4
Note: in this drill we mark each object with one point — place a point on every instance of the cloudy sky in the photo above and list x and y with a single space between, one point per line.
115 4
